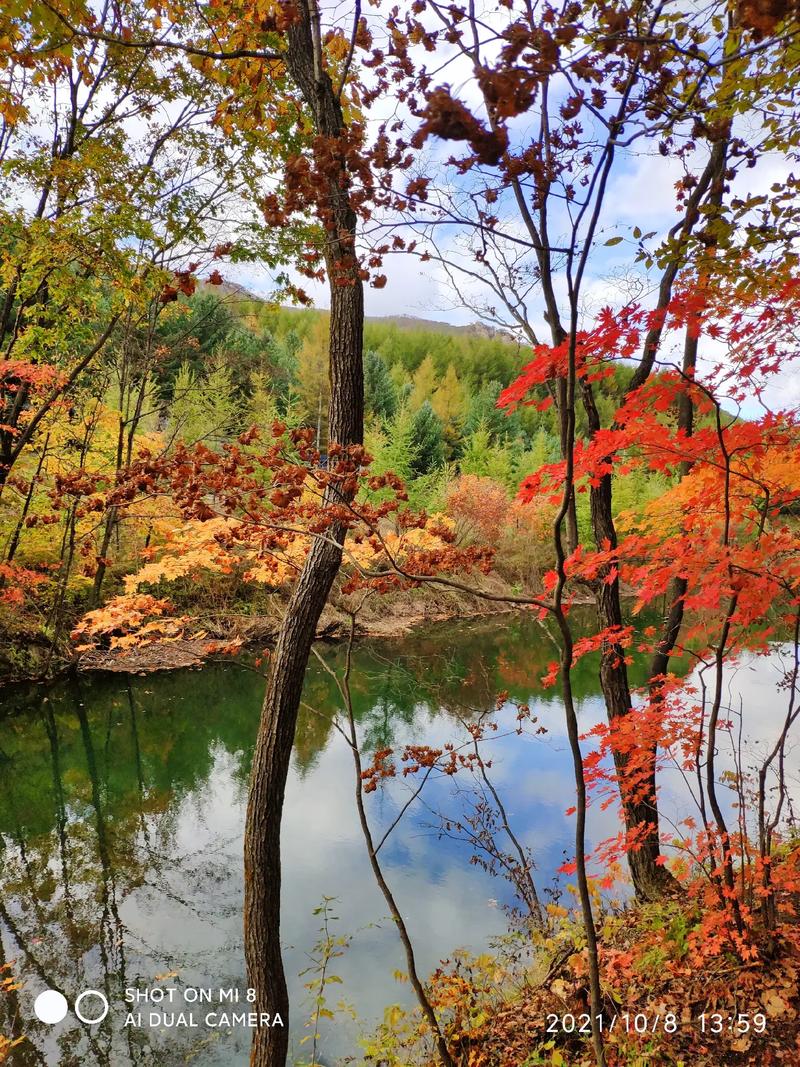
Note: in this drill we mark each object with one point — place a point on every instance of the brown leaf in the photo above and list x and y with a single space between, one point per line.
774 1003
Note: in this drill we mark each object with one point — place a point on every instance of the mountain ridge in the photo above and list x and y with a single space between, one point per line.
412 323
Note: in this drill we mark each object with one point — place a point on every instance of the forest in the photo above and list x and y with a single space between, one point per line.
400 532
220 364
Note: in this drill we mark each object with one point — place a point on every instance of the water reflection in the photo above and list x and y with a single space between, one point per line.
121 816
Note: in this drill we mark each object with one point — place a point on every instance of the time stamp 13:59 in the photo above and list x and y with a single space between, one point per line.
708 1022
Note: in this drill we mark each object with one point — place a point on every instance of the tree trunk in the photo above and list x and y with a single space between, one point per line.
650 879
14 542
571 518
262 858
673 620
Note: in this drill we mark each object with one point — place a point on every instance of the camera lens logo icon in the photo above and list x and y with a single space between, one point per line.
51 1006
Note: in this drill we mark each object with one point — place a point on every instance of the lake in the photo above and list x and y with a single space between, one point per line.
122 806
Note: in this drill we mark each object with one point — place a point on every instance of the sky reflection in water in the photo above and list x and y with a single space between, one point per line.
122 807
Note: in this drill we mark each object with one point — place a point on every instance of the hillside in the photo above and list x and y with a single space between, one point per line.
232 293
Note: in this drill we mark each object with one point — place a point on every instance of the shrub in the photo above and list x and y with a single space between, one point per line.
478 506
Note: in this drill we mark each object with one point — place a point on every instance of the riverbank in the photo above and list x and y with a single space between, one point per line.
385 616
388 615
673 993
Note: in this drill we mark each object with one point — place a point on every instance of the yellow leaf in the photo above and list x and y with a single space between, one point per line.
774 1003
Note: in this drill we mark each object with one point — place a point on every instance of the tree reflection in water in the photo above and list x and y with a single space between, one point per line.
121 815
93 850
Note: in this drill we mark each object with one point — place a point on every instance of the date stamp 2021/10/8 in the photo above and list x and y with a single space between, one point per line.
639 1022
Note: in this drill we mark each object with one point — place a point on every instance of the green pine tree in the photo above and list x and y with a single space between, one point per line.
479 456
262 406
424 382
380 394
204 409
428 440
394 447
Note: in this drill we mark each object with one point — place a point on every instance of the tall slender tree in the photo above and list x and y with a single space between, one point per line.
560 102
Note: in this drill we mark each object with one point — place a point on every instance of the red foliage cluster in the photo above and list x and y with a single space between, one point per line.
447 760
451 120
17 582
722 541
479 507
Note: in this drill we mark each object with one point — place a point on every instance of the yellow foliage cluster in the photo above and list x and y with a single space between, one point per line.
199 548
276 569
222 546
8 984
370 554
701 491
65 456
225 546
219 546
128 620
